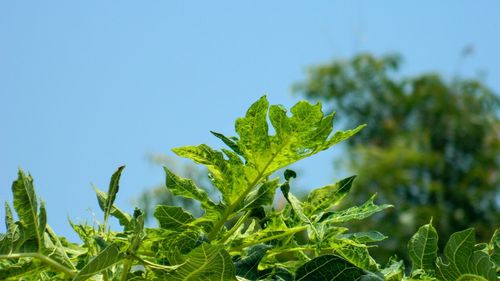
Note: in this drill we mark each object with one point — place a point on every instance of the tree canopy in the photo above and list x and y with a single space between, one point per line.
431 147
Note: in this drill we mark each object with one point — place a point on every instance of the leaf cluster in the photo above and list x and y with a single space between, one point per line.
242 236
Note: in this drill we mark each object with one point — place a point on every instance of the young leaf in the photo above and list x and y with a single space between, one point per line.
107 258
262 196
328 268
102 198
26 206
227 175
187 188
206 262
171 217
495 247
395 271
248 266
324 198
112 191
354 213
463 262
303 134
365 237
231 143
422 248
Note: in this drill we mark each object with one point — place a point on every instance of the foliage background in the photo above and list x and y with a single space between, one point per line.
86 87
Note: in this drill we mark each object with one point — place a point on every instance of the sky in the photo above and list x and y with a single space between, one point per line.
91 85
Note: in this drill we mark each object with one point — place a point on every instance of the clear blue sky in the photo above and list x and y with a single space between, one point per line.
87 86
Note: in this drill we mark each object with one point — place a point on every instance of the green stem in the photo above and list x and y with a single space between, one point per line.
231 208
50 262
154 265
235 227
126 268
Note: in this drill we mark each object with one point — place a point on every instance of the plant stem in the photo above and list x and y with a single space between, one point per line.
126 268
235 227
231 208
50 262
249 188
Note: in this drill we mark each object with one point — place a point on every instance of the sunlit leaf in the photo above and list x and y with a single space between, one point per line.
422 248
463 262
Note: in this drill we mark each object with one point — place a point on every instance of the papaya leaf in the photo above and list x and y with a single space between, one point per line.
171 217
328 268
495 247
187 188
463 262
228 175
422 248
114 186
102 198
248 267
105 259
326 197
206 262
395 271
26 206
230 142
354 213
365 237
262 196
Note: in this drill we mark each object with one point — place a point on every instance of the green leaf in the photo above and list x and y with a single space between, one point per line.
365 237
54 249
354 252
174 246
112 191
26 206
354 213
105 259
463 263
253 131
20 270
303 134
423 247
395 271
187 188
262 196
228 175
495 247
8 241
248 266
328 268
206 262
231 143
171 217
9 219
326 197
123 218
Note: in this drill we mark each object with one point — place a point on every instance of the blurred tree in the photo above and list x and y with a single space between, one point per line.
431 148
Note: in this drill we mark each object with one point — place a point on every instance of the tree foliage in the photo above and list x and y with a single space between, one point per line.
240 237
432 146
